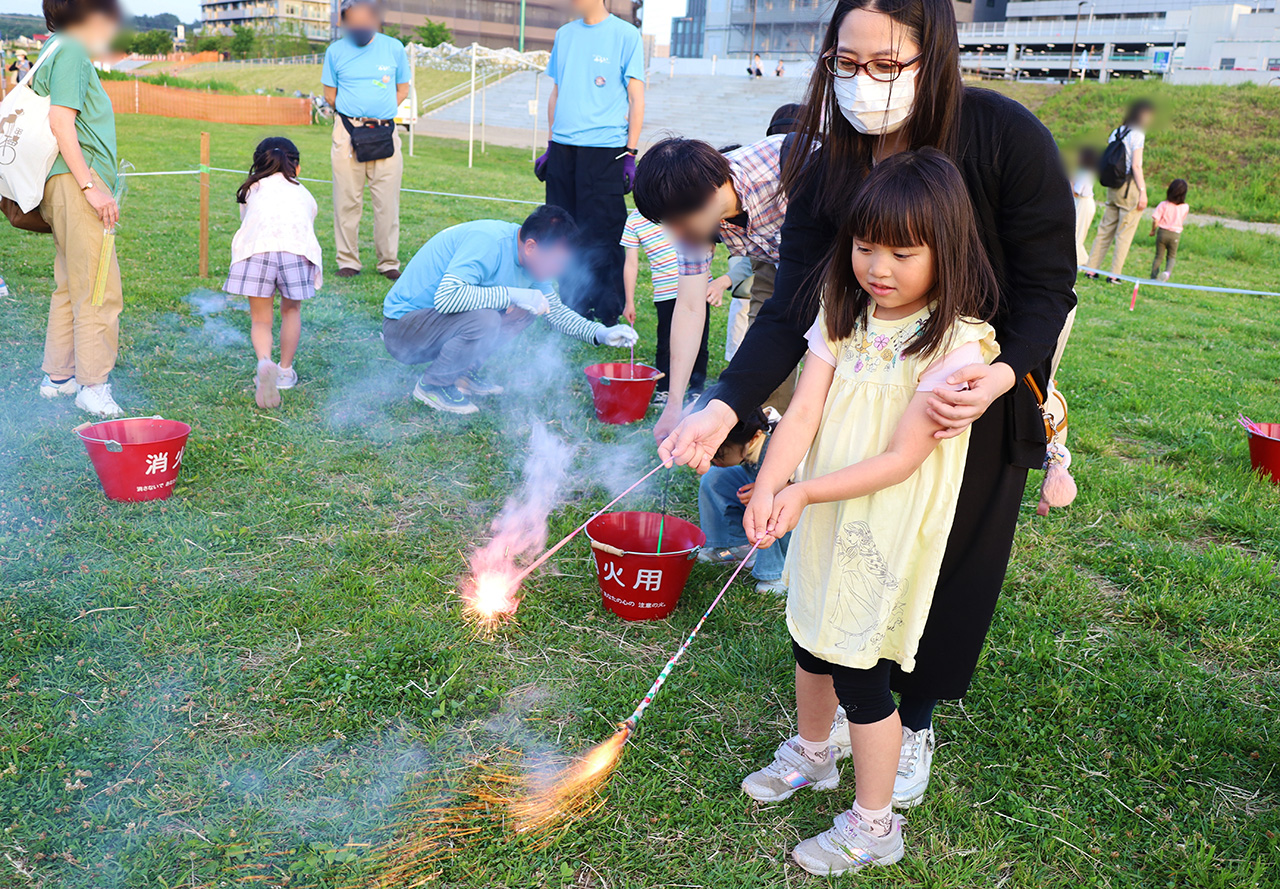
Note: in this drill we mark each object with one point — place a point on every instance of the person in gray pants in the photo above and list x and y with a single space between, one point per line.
472 288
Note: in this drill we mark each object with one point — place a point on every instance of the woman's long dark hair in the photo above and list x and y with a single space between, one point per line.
275 154
911 199
935 115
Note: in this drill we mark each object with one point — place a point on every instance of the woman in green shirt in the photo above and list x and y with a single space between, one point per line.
82 338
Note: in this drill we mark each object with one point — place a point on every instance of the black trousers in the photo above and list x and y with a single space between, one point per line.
698 379
588 182
973 566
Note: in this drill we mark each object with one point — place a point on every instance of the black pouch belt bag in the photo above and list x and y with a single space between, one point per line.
372 141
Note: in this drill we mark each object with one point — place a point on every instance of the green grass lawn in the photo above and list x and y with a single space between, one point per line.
238 686
305 78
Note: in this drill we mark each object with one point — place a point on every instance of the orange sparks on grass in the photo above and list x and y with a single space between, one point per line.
571 792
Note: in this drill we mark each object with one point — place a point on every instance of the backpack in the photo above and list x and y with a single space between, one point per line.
1113 166
27 145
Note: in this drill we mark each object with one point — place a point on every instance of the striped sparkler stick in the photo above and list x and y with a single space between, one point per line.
630 722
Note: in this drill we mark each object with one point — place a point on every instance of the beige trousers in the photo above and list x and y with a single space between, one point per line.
350 177
82 339
1120 219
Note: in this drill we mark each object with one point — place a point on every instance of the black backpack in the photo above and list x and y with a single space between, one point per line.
1113 166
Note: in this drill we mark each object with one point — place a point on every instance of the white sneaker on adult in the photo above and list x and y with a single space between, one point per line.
97 400
50 389
840 735
914 765
850 844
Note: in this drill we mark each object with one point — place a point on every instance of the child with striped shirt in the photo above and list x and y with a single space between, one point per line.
660 250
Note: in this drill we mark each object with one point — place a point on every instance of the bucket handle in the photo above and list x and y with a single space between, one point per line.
608 381
606 548
109 443
615 551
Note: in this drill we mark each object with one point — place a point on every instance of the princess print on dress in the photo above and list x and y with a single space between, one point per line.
866 586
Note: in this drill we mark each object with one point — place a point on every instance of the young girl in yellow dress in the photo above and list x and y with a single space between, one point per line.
875 487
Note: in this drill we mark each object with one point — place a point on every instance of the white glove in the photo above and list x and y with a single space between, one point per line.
620 336
532 301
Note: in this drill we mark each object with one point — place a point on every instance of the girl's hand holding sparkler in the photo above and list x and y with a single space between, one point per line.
770 517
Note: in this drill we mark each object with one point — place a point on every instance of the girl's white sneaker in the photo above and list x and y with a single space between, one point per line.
50 389
265 391
849 845
286 378
97 400
914 765
790 771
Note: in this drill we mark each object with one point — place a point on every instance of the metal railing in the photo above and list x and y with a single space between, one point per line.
1097 30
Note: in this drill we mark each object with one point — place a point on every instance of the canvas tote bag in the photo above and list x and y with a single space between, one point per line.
27 145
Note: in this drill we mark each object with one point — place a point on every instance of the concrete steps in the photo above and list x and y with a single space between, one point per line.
719 109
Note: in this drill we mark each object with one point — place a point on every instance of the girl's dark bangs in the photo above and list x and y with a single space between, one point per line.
892 211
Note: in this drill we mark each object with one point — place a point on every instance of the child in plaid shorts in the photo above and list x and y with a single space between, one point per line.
275 251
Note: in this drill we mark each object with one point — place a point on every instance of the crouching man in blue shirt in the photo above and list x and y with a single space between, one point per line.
473 287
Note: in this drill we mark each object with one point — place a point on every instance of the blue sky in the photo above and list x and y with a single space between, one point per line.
658 13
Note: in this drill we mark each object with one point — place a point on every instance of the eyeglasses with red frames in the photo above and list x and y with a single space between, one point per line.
882 70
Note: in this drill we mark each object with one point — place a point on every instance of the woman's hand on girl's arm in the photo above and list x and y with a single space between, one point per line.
954 411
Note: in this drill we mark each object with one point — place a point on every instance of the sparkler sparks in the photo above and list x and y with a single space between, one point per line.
493 591
571 793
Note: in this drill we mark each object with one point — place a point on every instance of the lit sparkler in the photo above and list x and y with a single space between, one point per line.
572 792
493 591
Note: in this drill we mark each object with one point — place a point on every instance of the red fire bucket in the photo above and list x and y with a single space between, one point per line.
1264 449
622 391
638 582
136 458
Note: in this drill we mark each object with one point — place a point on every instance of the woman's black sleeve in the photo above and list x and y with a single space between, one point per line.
1036 223
775 343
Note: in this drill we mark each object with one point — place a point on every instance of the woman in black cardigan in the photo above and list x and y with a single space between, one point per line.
1020 193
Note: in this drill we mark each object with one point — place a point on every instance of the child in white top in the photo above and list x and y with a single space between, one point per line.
1086 206
275 251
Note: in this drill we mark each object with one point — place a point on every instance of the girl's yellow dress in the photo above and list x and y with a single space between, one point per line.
860 574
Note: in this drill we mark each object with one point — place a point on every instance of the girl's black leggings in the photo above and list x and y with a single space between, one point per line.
865 694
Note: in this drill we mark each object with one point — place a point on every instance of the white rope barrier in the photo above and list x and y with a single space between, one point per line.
439 194
1148 282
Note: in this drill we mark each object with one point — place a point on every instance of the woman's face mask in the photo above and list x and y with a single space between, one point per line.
874 107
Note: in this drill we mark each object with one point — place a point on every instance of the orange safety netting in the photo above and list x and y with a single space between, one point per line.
137 97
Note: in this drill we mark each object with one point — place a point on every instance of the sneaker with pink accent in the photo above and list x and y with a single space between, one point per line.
287 378
790 771
850 844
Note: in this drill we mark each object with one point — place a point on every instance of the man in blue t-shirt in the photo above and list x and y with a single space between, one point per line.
594 114
366 77
470 289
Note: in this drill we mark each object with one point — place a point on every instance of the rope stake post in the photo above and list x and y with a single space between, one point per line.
204 205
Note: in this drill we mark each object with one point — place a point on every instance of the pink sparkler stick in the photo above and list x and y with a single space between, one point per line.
578 530
634 718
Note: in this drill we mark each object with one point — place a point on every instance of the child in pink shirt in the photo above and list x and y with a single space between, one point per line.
1166 225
